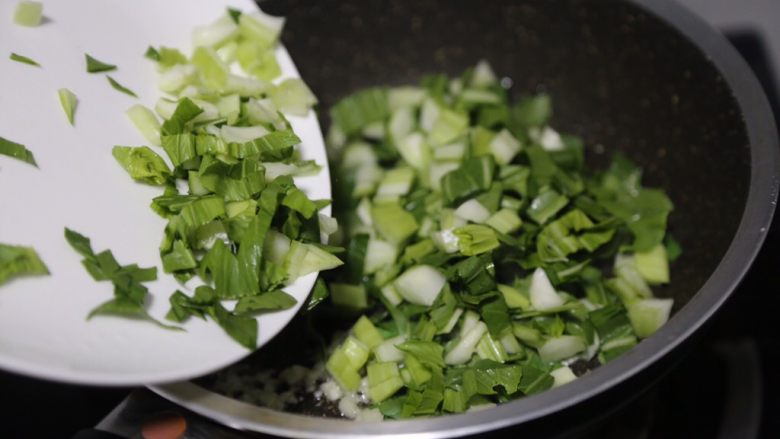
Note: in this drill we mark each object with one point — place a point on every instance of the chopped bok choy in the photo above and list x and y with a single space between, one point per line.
28 13
480 248
18 261
224 155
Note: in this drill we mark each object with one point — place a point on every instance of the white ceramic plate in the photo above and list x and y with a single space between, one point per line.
43 326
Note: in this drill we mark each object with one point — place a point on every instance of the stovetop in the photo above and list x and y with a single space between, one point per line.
725 388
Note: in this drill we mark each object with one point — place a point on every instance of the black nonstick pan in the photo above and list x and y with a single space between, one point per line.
644 77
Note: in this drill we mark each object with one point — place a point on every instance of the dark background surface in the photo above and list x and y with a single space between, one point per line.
693 401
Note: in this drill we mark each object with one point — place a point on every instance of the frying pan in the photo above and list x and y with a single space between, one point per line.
644 77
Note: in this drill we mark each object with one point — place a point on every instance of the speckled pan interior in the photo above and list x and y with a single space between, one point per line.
619 77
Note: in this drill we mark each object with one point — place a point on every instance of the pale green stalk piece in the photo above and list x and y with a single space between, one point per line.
69 101
28 13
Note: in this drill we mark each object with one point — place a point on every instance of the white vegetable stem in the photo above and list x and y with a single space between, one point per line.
216 33
451 322
465 346
379 254
504 147
647 315
391 294
387 351
242 134
543 295
420 284
474 211
562 375
560 348
483 75
445 240
146 122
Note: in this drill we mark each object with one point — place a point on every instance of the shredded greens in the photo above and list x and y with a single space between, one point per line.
17 261
486 258
23 59
17 151
241 226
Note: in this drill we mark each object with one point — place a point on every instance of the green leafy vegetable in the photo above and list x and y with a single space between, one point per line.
186 110
265 302
673 248
235 217
570 233
533 111
165 56
534 380
318 295
496 315
17 151
474 239
644 211
546 204
426 352
184 307
473 176
18 261
234 14
491 375
119 87
129 291
242 329
152 53
356 111
393 222
479 245
142 164
180 258
23 59
95 66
